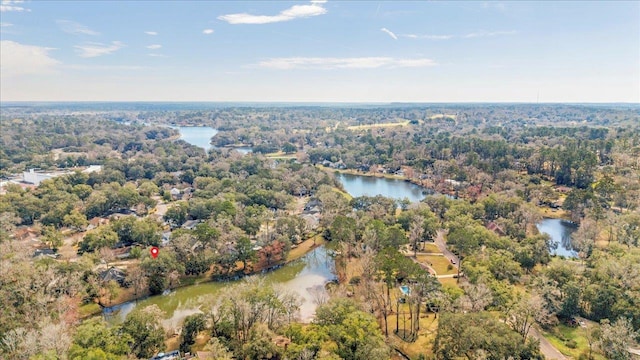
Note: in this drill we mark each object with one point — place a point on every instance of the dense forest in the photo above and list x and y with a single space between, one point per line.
465 273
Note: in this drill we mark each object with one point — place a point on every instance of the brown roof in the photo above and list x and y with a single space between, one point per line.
496 228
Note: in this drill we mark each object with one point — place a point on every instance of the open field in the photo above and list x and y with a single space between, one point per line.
382 125
439 263
304 247
563 335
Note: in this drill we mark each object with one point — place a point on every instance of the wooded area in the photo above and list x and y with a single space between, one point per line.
465 273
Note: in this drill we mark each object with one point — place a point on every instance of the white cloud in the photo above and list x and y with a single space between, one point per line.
11 5
3 24
343 63
75 28
429 37
90 50
19 59
154 46
207 31
156 55
294 12
152 33
472 35
494 5
488 34
390 33
103 67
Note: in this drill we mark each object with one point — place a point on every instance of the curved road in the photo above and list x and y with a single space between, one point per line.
547 349
439 240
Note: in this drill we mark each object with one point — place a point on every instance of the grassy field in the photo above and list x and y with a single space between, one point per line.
431 248
563 335
424 342
439 263
448 282
440 116
88 310
372 126
304 247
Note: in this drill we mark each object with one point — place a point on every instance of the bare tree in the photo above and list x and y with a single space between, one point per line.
138 280
476 298
416 231
522 314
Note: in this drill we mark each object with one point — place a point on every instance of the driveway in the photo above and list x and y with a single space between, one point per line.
443 248
548 350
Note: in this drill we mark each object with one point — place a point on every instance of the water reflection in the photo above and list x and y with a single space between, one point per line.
358 185
560 232
301 276
197 135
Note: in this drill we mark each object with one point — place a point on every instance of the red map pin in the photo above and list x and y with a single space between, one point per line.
154 252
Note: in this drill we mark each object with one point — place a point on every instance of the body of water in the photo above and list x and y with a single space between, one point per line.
560 232
358 185
197 135
305 276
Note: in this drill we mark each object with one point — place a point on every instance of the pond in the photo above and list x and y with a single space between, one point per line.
359 185
303 276
197 135
560 232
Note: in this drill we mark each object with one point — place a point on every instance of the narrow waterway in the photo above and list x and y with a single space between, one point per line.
303 276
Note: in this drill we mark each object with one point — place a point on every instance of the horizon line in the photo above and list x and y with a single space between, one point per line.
313 102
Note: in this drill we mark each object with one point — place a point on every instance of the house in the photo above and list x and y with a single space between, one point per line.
26 234
173 355
190 224
113 274
121 253
454 183
96 221
312 220
35 178
92 169
496 228
45 253
313 206
175 193
166 237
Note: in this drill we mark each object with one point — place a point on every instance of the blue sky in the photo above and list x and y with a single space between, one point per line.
324 51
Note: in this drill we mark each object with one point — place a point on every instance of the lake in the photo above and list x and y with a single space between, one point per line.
358 185
560 232
311 271
197 135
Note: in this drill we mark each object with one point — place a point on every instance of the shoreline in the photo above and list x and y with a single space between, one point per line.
209 277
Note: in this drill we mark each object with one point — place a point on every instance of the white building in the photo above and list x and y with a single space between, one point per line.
36 178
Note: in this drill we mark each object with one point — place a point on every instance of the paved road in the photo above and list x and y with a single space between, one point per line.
548 350
443 248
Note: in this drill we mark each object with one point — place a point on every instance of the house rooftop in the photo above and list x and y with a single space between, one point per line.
175 354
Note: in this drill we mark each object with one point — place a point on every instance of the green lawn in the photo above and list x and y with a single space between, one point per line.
88 310
562 335
431 248
439 263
